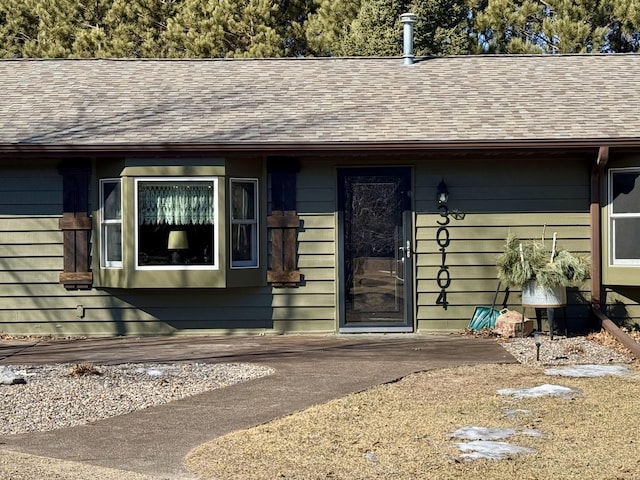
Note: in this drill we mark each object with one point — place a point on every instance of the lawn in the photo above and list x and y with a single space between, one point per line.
403 430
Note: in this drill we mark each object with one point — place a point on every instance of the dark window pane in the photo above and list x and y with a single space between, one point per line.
242 243
243 200
176 222
626 234
155 248
175 203
111 201
625 192
113 234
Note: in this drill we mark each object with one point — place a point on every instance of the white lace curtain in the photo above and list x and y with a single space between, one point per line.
176 204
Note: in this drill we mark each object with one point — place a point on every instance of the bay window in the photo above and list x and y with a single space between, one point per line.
188 223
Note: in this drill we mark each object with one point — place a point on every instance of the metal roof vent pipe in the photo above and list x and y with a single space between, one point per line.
408 19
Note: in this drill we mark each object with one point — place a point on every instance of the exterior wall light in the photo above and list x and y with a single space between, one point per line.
443 193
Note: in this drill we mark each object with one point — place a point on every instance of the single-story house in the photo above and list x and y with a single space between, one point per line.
301 195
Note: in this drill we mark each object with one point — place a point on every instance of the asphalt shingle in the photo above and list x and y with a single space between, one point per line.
318 100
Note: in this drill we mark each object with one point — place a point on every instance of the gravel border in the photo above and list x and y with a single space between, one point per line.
563 351
53 397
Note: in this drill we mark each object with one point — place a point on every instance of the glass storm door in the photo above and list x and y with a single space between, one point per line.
374 207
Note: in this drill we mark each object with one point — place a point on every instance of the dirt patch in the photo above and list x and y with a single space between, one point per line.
605 338
403 431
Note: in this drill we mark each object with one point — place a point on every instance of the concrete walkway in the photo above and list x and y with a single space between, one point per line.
309 370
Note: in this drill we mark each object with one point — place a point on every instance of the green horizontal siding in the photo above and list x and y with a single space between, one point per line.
311 307
492 196
32 224
17 277
530 223
22 251
31 259
488 199
30 238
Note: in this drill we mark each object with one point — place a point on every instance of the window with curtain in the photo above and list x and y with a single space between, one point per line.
624 216
176 222
111 223
244 223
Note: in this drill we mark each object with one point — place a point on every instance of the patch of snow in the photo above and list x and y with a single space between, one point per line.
532 433
372 457
588 371
485 433
152 372
545 390
514 412
482 433
491 450
9 377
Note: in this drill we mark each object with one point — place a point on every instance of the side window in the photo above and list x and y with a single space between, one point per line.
176 225
111 223
244 223
624 216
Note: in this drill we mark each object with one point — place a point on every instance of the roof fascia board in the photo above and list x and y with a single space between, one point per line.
71 150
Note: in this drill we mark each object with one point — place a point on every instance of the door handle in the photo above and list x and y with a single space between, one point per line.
408 249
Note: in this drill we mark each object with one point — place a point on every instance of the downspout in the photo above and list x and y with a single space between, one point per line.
596 239
596 258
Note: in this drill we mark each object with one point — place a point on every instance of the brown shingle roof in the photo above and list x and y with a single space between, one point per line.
319 101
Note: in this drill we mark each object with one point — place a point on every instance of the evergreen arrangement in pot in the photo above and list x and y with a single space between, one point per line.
542 272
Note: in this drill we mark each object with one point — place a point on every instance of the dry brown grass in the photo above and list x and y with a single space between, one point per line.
406 425
84 369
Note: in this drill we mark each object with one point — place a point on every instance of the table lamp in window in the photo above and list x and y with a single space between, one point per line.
178 241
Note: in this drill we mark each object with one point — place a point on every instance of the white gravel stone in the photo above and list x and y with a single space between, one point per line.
51 398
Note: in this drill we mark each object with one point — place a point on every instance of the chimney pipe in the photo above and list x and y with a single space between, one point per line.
408 19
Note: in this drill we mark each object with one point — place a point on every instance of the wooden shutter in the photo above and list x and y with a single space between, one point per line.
283 223
76 225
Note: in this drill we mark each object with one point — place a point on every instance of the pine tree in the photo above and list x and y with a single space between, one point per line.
39 28
443 27
18 26
624 32
136 27
327 28
273 28
339 28
376 29
237 28
558 26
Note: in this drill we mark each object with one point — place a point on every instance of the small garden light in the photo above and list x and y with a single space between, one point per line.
537 337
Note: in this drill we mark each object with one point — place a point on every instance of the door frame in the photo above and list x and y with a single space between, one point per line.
408 325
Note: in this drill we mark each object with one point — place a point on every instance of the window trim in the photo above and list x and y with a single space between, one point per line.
255 250
216 223
104 262
613 262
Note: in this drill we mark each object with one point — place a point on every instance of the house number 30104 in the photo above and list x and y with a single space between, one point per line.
443 239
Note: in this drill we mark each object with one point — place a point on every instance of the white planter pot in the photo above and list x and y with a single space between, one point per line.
536 296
